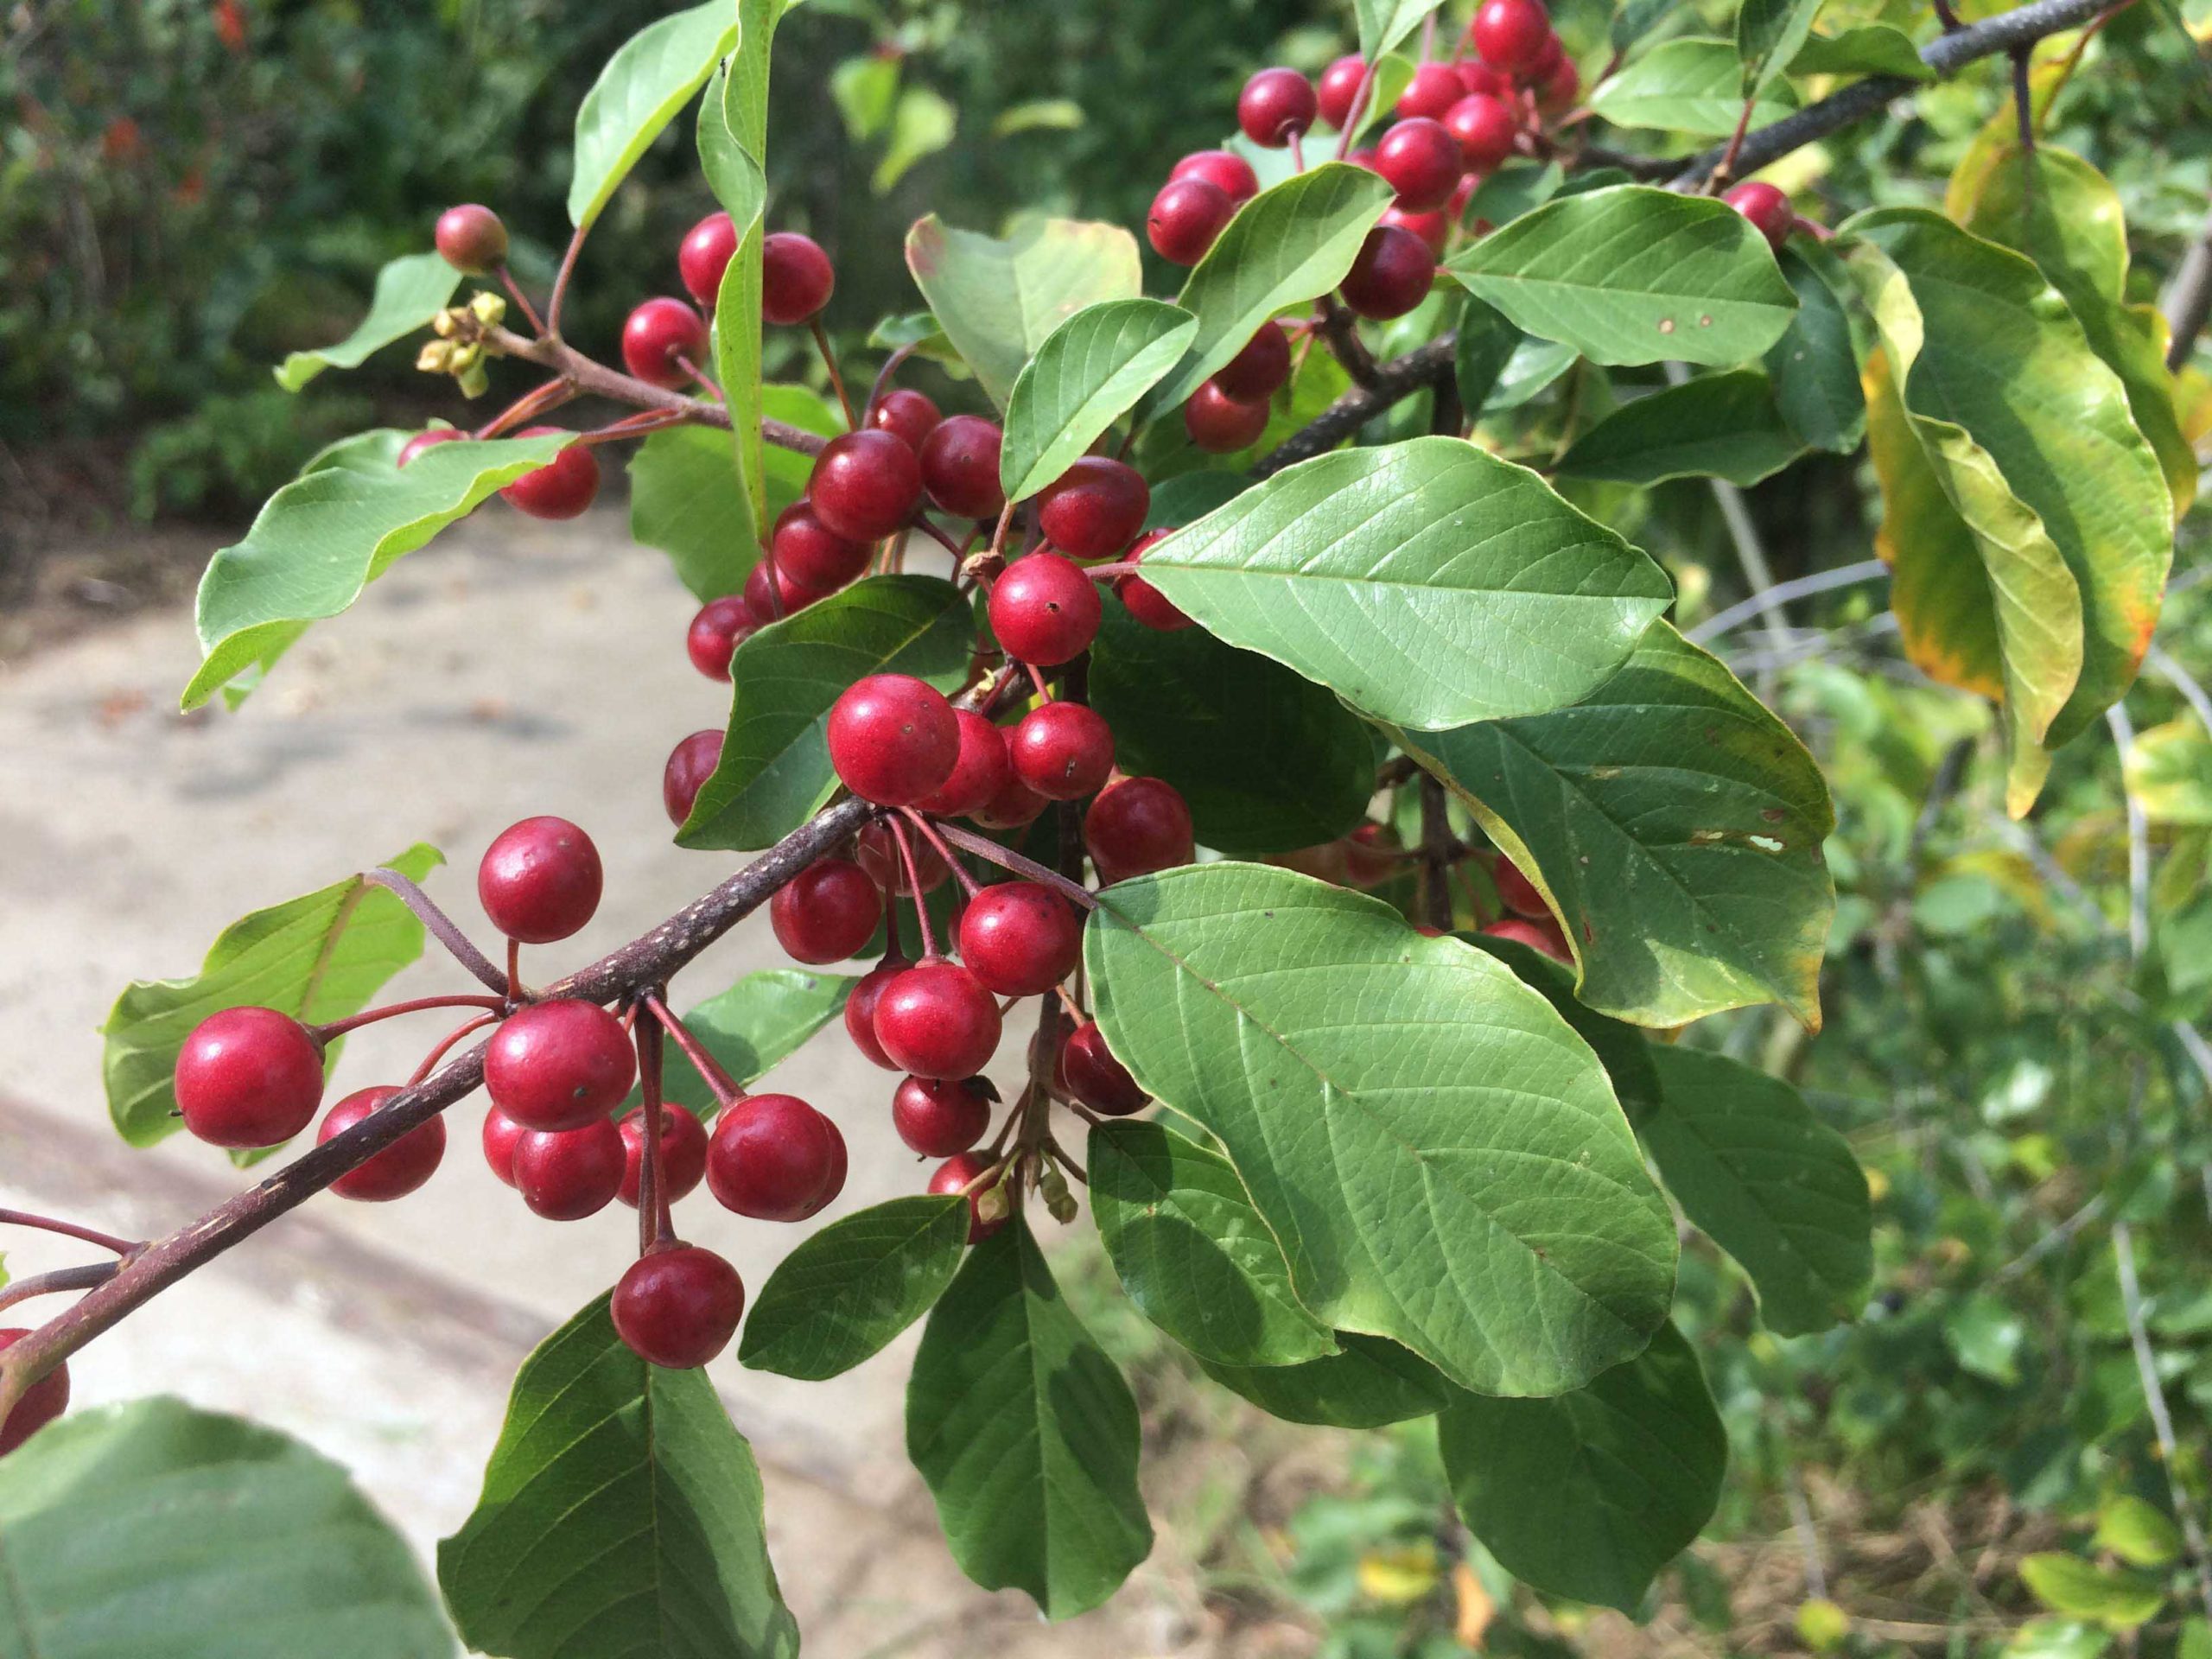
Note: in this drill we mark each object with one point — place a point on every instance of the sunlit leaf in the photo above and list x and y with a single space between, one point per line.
411 290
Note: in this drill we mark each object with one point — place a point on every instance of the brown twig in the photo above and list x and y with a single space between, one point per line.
442 928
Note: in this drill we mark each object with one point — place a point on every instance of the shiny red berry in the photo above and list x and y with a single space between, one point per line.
789 594
400 1168
827 911
892 738
1511 35
905 414
720 627
1095 1076
690 763
877 849
1485 130
43 1402
540 880
860 1009
658 333
1186 216
796 278
774 1158
1368 860
682 1154
866 485
559 1064
956 1173
1560 85
1019 938
567 1174
1014 805
960 466
1433 89
1767 208
471 239
808 555
706 252
1421 160
677 1308
501 1135
1478 77
564 487
1095 509
978 775
1062 750
1342 83
422 441
1434 229
1146 602
1044 610
1225 168
940 1117
1219 425
1390 277
1260 370
249 1078
1136 826
1276 106
937 1021
1543 936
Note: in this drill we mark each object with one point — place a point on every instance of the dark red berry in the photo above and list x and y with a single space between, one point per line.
471 239
429 439
978 775
1553 55
567 1174
1276 106
956 1173
705 254
1434 229
657 333
1044 610
1019 938
774 1158
1767 208
677 1308
1260 370
1511 35
690 763
249 1078
791 594
1186 216
796 278
939 1117
1146 602
1543 936
501 1135
937 1021
865 484
682 1154
1368 860
1518 892
1478 77
400 1168
43 1402
1560 85
559 1064
808 555
860 1009
877 849
1095 509
720 627
1219 425
827 911
1062 750
564 487
1137 825
1230 171
540 880
904 414
960 466
1014 805
1342 82
1095 1076
892 738
1485 130
1391 274
1433 89
1420 159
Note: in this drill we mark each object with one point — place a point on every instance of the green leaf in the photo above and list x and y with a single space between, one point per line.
1768 35
1192 1253
621 1513
1624 1050
1534 368
1089 372
1769 1182
1440 1157
1383 23
1485 345
1025 1434
2139 1533
1286 245
411 290
1515 189
1371 1384
1634 19
2059 1638
1815 366
755 1025
151 1530
1038 114
1589 1495
999 300
319 957
651 77
775 766
320 541
2113 1596
1630 274
1424 582
1674 825
921 125
1269 762
1864 49
1986 1336
848 1290
687 499
730 141
865 87
1722 425
1692 86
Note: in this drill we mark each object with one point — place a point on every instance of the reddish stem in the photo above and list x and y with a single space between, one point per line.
967 881
930 952
727 1088
441 927
836 379
552 328
1006 858
883 378
392 1010
514 292
67 1230
445 1045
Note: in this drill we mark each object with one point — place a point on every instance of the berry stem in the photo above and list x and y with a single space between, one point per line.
67 1230
46 1284
1297 153
552 327
727 1088
1352 116
392 1010
915 889
1006 858
1064 1159
1336 326
521 299
967 882
445 1043
701 377
1725 169
883 378
514 970
921 521
654 1226
441 927
536 401
836 376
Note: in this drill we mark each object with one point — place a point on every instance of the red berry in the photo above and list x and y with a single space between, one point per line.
1511 34
1553 55
501 1134
1260 369
1478 76
938 1117
1434 229
45 1400
907 414
720 627
682 1154
1561 87
1230 171
960 466
1421 160
658 332
1485 130
249 1078
1137 825
1186 216
877 849
705 254
1219 425
1767 208
892 738
400 1168
1019 938
810 556
1391 274
1368 860
677 1308
1342 82
1543 936
567 1174
1276 106
791 594
1518 892
978 775
559 1064
1095 1076
795 279
471 239
937 1021
540 880
1044 610
774 1158
1146 602
429 439
865 484
1014 805
860 1009
690 763
564 487
1095 509
1062 750
1434 88
827 911
956 1173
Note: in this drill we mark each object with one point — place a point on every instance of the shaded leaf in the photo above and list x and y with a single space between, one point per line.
686 498
848 1289
1713 425
409 291
1485 345
1815 366
754 1026
1089 372
651 77
1768 34
1370 1384
921 125
1383 23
